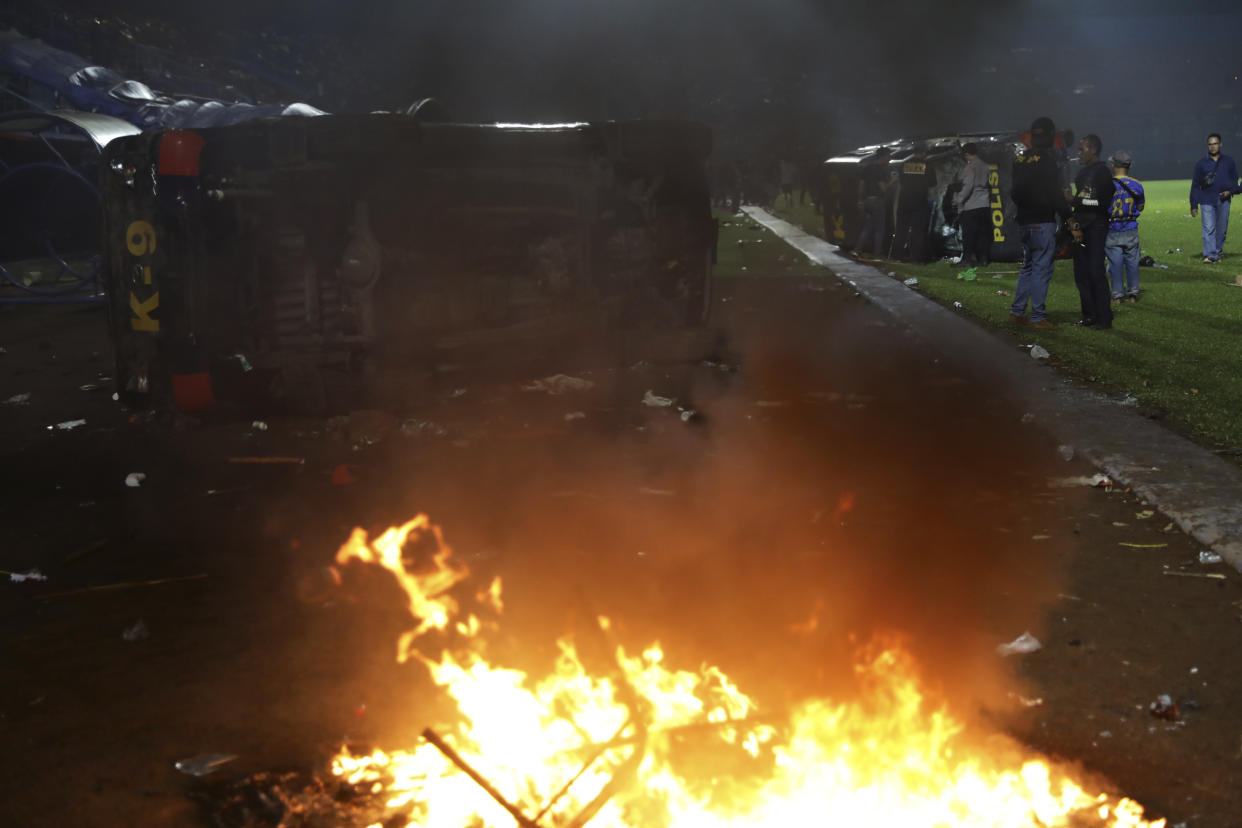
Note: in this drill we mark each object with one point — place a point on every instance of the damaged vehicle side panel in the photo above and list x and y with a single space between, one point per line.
266 260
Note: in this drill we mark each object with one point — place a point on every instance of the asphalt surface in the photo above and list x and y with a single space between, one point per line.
1195 488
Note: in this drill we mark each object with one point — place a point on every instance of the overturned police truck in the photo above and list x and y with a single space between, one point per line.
282 259
839 177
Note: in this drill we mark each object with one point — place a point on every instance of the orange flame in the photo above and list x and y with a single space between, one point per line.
652 746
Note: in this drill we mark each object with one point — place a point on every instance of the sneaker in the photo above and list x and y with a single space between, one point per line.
1044 325
1117 302
1018 321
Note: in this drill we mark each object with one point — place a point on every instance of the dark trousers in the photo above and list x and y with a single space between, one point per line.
976 236
910 242
1091 275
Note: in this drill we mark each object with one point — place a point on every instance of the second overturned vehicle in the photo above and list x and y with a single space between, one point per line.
282 259
839 177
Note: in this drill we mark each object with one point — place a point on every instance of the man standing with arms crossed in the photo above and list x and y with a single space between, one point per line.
1041 204
1213 182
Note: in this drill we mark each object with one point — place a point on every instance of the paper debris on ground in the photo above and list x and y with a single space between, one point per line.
134 479
18 399
559 384
654 400
1025 643
1100 481
1039 352
32 575
67 425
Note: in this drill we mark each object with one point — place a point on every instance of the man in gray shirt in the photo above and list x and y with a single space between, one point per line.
972 203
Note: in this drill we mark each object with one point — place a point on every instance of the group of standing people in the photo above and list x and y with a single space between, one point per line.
1101 215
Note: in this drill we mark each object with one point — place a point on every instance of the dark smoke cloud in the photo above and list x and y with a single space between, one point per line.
884 495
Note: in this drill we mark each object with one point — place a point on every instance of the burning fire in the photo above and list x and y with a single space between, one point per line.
651 746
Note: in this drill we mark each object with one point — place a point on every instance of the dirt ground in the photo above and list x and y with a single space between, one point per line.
818 463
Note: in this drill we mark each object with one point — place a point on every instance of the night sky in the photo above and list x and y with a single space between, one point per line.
817 77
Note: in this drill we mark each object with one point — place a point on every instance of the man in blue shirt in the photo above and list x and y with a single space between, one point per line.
1213 183
1122 244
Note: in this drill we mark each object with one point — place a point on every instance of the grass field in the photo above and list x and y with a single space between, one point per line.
1177 352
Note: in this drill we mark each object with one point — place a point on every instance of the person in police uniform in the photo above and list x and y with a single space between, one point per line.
915 182
1093 198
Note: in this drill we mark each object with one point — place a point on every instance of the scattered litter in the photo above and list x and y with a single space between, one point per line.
557 384
1165 708
457 392
136 631
1039 352
1142 545
1211 576
911 282
259 425
18 399
1025 643
1120 523
245 363
134 479
204 763
1129 399
1160 266
1041 537
411 428
575 415
1194 670
1106 734
1209 557
1066 452
342 476
957 304
656 401
659 492
122 585
67 425
1097 481
18 577
688 414
968 275
1002 293
1145 514
290 460
90 386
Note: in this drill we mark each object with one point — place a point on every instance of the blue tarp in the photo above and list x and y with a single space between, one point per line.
99 89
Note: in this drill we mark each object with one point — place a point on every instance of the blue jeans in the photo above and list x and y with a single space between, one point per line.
1039 244
1122 249
1215 224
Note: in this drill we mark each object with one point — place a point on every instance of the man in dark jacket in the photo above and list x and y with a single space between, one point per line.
1093 197
916 181
1212 185
874 183
1040 199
